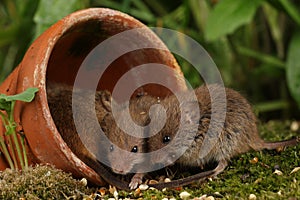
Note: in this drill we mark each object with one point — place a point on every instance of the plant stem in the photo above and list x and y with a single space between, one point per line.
24 151
17 145
4 145
12 151
14 134
6 153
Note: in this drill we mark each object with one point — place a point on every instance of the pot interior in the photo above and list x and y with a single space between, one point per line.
78 55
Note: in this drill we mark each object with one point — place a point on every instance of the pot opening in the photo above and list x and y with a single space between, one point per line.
70 54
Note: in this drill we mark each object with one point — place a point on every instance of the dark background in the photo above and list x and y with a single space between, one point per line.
255 44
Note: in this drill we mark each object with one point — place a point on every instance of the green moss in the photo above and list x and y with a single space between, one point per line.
40 182
240 179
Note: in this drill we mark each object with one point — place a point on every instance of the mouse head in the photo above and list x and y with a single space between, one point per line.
124 150
177 134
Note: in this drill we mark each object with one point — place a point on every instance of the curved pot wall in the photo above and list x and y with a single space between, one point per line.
56 56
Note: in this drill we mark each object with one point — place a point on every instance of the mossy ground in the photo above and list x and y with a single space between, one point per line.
242 177
41 182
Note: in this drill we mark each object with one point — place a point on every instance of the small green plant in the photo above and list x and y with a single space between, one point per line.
17 150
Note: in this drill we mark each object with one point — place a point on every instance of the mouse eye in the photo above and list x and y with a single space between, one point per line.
134 149
111 148
166 139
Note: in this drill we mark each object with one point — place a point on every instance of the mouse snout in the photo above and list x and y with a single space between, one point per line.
121 168
117 171
123 163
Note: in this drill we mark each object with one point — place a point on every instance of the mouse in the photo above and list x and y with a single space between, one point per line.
59 97
125 150
196 143
120 131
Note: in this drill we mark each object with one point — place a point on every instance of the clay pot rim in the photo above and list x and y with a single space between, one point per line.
46 145
54 34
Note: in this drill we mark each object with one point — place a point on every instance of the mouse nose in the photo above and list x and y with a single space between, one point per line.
121 168
119 171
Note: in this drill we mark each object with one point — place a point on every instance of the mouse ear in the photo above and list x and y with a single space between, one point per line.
105 98
190 112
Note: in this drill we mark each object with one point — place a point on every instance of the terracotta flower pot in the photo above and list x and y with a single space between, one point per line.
57 56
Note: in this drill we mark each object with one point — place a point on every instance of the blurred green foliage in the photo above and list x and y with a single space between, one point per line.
255 43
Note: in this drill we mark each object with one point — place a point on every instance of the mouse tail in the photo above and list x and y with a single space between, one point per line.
281 144
222 164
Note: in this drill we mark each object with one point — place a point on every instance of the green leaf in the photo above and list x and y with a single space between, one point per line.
228 15
272 17
49 12
291 10
263 57
4 105
26 96
293 67
200 10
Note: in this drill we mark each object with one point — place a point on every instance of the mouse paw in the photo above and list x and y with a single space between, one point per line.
135 181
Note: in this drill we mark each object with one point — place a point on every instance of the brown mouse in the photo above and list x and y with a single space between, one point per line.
125 150
59 98
197 142
122 136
